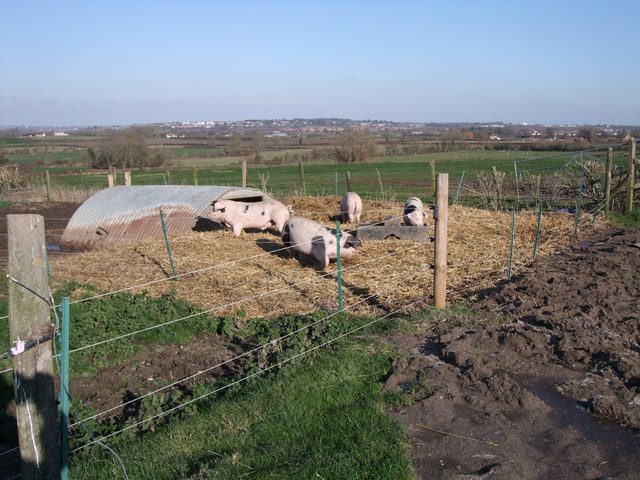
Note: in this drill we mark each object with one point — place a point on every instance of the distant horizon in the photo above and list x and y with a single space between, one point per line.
429 122
121 63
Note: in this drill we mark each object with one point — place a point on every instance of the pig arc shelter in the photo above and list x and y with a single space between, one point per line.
132 213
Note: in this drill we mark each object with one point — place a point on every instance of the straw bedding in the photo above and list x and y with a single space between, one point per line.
384 276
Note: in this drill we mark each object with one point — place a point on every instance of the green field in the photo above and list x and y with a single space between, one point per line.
400 176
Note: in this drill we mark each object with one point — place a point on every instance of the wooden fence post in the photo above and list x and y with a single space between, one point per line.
29 321
244 172
441 214
127 178
348 181
607 180
195 175
628 204
110 180
167 176
302 182
48 185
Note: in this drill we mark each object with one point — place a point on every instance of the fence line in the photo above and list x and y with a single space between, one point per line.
248 377
194 272
237 357
236 302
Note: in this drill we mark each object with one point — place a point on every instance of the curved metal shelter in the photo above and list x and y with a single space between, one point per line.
132 213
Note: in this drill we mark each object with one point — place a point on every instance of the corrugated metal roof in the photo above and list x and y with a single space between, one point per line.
130 213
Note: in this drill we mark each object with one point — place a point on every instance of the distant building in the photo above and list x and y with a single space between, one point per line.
60 134
494 137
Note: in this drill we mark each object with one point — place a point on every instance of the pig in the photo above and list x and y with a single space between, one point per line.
413 212
311 238
241 215
350 208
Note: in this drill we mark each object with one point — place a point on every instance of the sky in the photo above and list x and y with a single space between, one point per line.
123 62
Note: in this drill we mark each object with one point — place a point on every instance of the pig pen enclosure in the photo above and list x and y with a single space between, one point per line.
207 311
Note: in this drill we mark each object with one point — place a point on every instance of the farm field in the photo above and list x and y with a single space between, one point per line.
331 418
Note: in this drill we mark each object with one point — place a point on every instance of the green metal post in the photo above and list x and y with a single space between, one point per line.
166 242
455 199
578 208
515 171
535 244
64 390
513 239
339 266
46 259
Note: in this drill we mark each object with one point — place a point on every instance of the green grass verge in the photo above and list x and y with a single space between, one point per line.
319 419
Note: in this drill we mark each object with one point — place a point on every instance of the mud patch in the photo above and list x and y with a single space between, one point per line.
551 393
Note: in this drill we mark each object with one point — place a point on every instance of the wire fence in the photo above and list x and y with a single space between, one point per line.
582 168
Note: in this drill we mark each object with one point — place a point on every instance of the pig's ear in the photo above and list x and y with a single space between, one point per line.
290 208
219 205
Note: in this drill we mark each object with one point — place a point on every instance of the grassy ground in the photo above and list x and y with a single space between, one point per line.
320 416
323 419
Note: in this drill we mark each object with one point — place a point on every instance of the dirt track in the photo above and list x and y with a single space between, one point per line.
555 390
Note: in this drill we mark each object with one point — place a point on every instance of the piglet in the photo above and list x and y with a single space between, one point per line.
350 208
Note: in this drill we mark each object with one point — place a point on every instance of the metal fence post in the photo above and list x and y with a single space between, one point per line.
455 199
338 260
512 242
64 390
166 242
535 243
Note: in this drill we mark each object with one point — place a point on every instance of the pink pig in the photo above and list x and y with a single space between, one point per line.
350 208
311 238
241 215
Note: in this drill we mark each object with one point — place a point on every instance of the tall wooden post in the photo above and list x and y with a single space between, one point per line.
167 176
628 204
303 186
29 320
348 181
110 180
127 178
195 175
48 185
441 214
607 180
244 172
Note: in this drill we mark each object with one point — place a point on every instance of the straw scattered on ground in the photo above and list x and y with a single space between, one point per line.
385 275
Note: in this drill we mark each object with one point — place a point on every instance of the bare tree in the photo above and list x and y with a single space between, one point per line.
355 146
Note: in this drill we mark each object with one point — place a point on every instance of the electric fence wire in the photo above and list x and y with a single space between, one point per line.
237 302
261 371
195 272
237 357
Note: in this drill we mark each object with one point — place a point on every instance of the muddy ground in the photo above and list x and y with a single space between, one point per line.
56 216
546 386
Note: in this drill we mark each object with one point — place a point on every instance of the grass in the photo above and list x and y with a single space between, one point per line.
327 422
626 220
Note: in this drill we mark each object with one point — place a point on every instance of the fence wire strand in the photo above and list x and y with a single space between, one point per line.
248 377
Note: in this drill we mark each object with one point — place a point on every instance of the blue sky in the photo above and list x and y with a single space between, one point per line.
99 63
